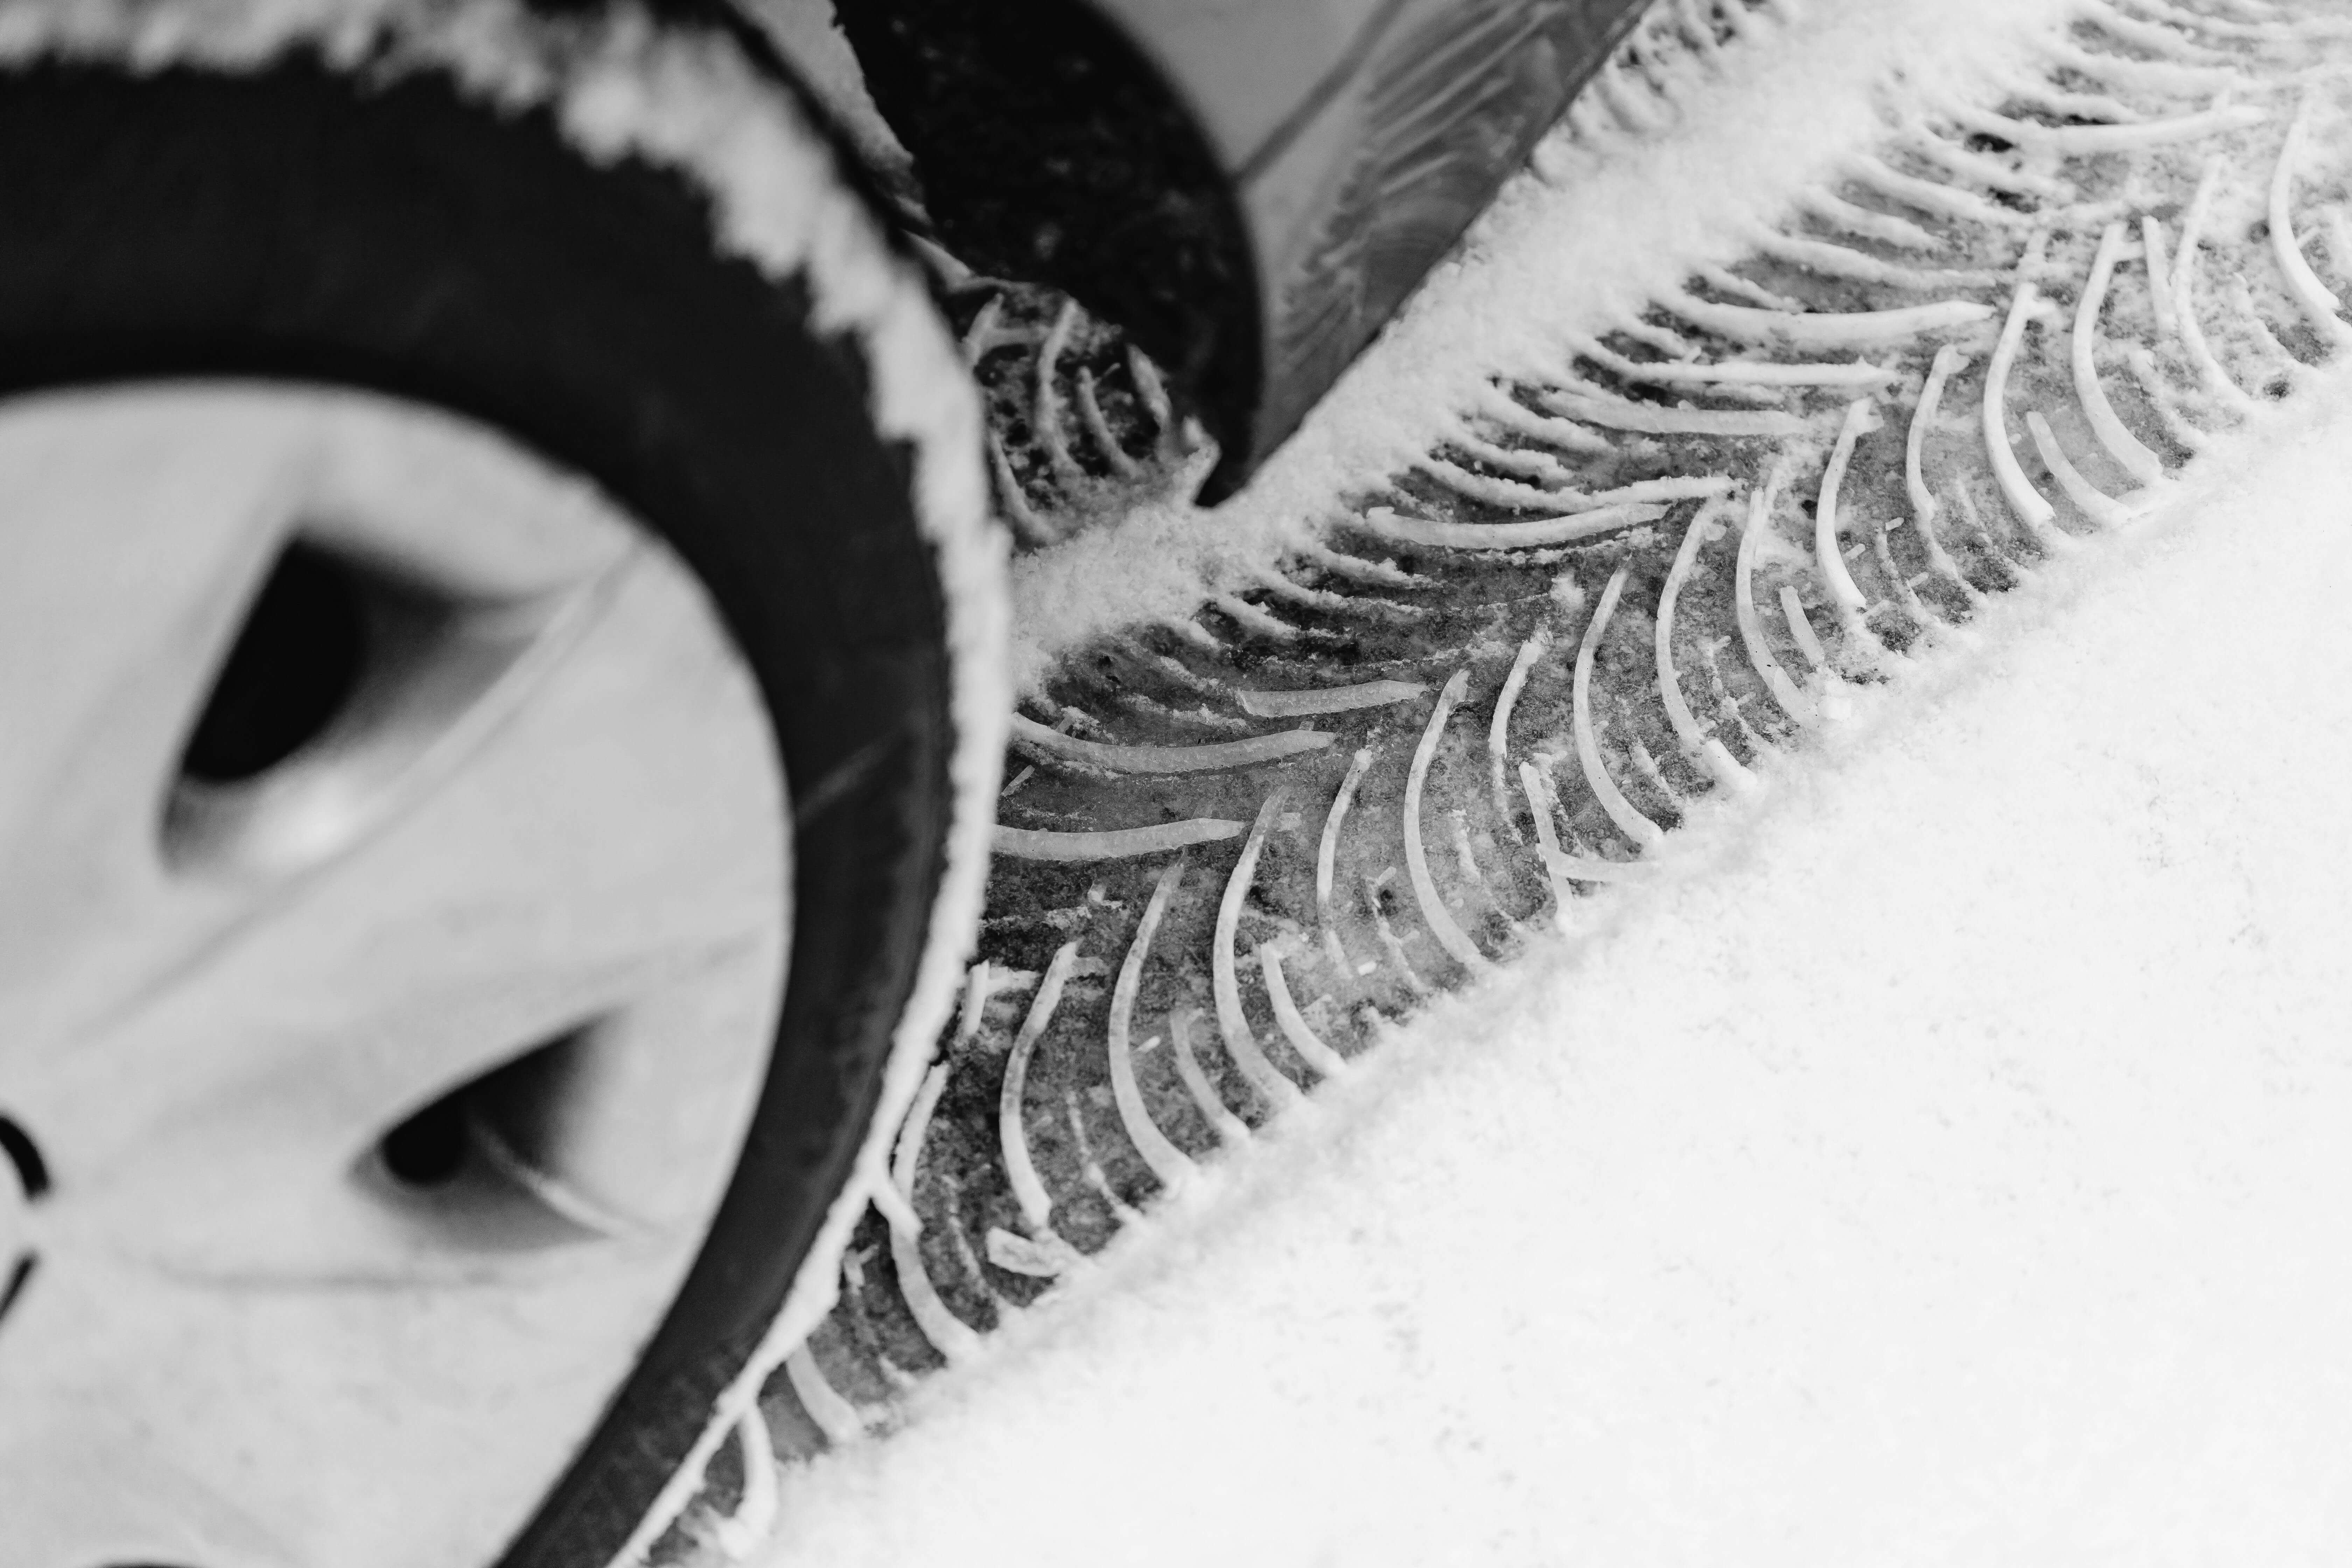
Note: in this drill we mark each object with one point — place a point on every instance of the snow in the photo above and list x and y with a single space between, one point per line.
1568 248
809 34
1943 1163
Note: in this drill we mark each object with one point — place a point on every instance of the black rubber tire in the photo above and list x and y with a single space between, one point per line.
304 222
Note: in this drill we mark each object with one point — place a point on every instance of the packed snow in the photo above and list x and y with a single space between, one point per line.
1944 1164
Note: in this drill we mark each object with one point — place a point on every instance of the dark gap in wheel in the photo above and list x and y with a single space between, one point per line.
294 666
516 1103
18 1277
429 1148
523 1105
32 1171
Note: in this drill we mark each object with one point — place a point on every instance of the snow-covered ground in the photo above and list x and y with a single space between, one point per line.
1934 1161
1947 1165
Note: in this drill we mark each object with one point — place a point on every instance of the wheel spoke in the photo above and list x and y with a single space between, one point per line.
150 1419
605 847
517 896
131 550
140 526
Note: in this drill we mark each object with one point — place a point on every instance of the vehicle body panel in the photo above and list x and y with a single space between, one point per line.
1337 150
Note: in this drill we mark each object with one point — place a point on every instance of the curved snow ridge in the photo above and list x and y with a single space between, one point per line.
1554 708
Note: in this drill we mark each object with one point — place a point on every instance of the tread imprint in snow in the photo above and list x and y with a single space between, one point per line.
1232 848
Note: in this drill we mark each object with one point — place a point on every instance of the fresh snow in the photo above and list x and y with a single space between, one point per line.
1946 1163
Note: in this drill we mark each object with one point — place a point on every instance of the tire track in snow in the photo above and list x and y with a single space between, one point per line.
1237 844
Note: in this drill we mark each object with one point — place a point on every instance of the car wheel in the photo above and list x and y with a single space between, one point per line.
500 665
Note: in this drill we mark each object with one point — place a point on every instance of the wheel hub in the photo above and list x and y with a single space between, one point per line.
393 904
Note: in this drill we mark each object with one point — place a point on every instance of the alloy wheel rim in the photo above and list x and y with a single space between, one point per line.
387 1005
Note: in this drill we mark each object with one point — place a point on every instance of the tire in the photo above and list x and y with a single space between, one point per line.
620 246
